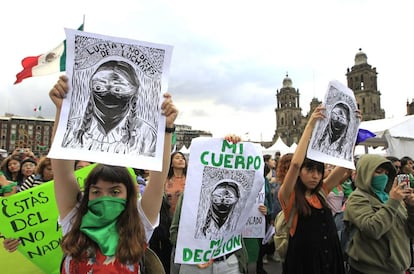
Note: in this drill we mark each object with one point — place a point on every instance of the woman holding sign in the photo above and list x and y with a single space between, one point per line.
224 196
107 228
314 247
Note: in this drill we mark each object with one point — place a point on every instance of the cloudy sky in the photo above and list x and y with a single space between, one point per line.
229 57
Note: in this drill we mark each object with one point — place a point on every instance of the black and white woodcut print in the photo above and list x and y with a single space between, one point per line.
222 199
335 135
115 100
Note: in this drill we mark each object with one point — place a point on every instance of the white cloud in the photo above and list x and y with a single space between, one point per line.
229 57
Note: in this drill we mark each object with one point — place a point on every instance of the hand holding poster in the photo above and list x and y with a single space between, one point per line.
223 181
112 112
334 137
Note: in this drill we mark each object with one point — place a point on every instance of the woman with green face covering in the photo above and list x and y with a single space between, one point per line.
106 229
382 212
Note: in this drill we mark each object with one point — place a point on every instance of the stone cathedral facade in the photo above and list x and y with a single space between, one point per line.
361 78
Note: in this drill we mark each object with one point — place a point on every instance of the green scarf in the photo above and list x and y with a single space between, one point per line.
99 223
378 184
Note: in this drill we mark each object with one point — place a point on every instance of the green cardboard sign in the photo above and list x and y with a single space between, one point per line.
32 216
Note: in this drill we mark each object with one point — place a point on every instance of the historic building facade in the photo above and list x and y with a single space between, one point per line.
30 132
289 118
361 78
185 134
36 134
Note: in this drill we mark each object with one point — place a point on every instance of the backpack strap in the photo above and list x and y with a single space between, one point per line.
151 264
322 194
142 265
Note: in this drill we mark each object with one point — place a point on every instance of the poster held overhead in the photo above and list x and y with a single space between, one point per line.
333 138
112 113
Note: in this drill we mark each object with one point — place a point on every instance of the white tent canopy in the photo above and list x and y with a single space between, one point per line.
396 135
184 150
280 146
361 149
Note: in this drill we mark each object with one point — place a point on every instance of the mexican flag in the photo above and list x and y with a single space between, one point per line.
50 62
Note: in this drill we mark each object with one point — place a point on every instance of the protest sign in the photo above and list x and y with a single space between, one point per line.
222 184
256 221
32 216
122 125
334 137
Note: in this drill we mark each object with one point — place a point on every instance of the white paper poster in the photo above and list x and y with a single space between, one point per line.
256 221
222 184
112 113
333 138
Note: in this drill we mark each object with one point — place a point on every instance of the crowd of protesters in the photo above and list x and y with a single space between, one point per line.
328 200
21 170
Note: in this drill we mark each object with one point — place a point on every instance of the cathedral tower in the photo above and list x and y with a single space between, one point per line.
362 79
288 113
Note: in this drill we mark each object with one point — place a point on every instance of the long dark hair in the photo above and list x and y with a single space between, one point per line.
132 241
6 171
300 189
404 161
171 170
41 166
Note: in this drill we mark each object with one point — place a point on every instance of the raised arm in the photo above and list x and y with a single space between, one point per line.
298 157
152 197
338 176
65 184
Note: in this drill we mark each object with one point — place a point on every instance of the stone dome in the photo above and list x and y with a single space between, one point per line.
287 82
360 58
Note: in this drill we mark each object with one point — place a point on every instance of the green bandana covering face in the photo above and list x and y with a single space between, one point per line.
378 184
99 223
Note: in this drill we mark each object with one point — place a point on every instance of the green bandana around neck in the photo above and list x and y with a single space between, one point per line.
99 223
378 185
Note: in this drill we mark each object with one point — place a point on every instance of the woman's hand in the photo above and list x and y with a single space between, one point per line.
359 114
399 192
28 153
11 244
59 90
263 209
317 114
232 138
169 110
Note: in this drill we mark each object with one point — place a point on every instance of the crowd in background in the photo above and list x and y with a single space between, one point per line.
21 170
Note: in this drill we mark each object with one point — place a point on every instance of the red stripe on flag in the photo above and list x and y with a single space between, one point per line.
28 63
